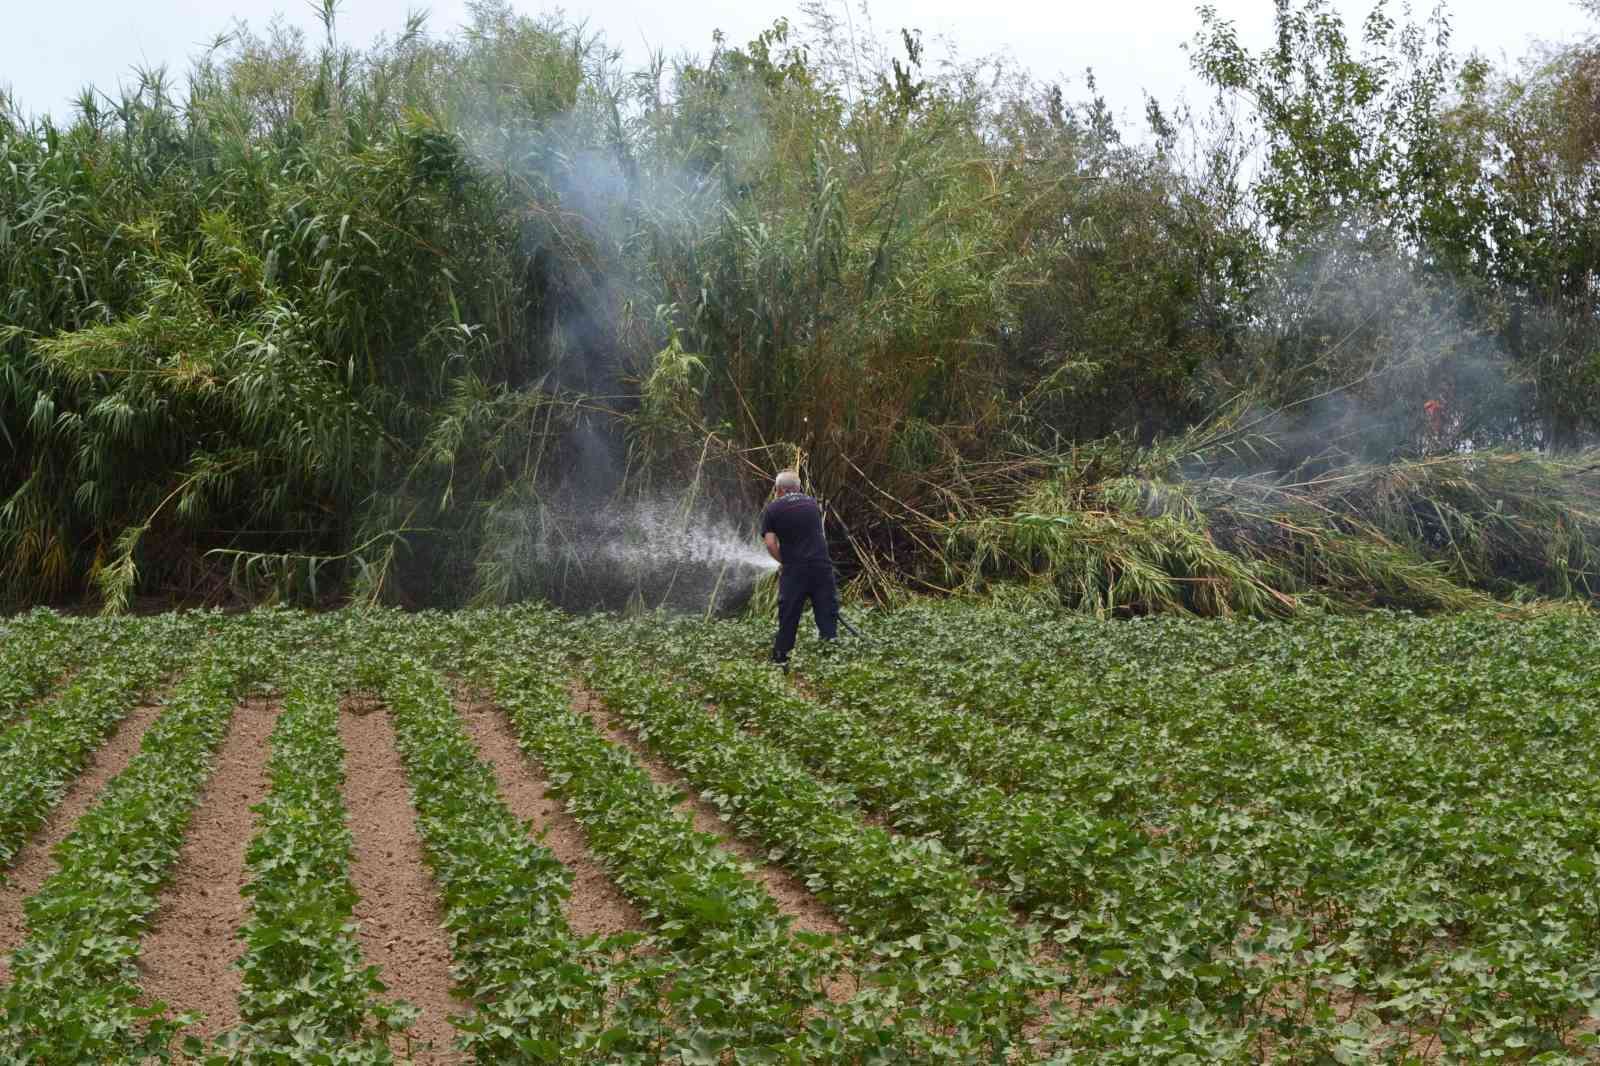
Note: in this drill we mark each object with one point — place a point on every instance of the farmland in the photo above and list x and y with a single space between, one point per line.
980 836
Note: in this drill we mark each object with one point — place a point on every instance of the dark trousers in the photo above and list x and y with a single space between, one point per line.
796 585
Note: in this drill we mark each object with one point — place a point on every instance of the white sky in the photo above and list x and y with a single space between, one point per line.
48 51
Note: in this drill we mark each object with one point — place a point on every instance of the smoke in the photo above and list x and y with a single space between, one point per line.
1363 356
582 535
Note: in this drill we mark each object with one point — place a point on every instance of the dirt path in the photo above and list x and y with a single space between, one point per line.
35 862
398 910
596 905
187 957
810 914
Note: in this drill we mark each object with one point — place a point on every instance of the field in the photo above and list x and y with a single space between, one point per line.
981 836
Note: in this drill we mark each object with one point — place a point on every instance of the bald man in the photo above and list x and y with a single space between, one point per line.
791 528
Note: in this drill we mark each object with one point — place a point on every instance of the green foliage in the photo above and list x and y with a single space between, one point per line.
1364 797
40 647
1350 137
305 990
278 297
1499 222
1434 226
949 978
42 753
75 995
1026 847
540 992
720 928
1335 838
367 324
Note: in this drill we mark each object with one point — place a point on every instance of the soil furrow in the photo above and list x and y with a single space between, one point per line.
810 914
36 861
187 958
401 922
596 905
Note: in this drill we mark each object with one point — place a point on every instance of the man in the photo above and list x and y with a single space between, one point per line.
791 527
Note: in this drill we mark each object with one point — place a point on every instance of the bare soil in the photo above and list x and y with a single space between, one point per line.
187 959
810 914
596 906
36 862
399 912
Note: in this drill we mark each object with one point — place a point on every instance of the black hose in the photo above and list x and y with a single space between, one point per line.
853 630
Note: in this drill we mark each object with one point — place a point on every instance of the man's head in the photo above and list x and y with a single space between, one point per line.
786 481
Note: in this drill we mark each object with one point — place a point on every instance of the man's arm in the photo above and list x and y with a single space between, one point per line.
771 541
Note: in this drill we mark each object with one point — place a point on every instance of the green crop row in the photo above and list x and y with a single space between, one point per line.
306 992
1344 735
734 974
950 975
1414 791
37 649
74 993
1334 840
40 756
1145 927
1237 763
1407 796
541 993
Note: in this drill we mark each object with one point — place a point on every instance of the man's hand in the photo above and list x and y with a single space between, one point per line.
771 541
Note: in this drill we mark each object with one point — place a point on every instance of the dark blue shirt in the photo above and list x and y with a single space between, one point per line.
797 520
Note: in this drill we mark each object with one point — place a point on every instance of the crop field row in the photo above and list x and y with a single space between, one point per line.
977 836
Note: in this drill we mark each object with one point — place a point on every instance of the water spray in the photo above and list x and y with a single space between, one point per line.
649 554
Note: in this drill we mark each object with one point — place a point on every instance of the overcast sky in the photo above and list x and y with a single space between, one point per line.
50 50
